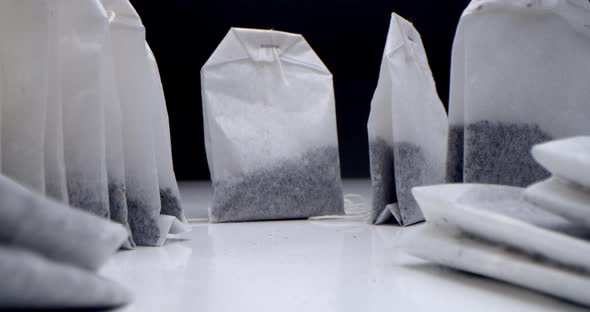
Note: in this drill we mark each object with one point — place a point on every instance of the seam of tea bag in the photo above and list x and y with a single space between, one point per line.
352 209
248 51
229 61
275 52
306 65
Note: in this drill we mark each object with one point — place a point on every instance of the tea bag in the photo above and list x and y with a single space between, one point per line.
567 158
464 252
270 129
563 198
55 171
83 29
133 76
115 158
29 220
407 127
567 192
518 78
24 82
31 281
169 193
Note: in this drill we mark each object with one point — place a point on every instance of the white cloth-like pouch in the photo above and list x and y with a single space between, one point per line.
24 58
31 221
407 127
169 193
140 102
32 282
270 129
519 77
83 29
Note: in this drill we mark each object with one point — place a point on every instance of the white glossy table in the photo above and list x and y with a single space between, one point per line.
337 264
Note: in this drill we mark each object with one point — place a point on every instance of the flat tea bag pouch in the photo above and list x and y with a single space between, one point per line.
24 52
29 220
134 76
567 192
270 129
519 77
82 34
407 127
169 192
30 281
566 158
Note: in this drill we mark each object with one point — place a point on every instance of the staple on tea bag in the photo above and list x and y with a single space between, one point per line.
495 120
402 155
270 129
24 80
83 29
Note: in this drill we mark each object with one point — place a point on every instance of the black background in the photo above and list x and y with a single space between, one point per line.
348 35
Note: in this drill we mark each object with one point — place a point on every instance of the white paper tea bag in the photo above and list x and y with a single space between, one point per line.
270 129
567 158
134 76
31 221
55 170
24 53
407 127
169 192
519 77
33 282
115 158
82 33
563 198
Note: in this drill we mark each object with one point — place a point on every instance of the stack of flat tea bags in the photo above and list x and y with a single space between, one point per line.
83 114
518 81
567 192
44 244
537 237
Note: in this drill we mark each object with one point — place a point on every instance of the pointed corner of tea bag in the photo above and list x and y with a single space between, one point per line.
394 211
172 228
389 213
164 225
179 227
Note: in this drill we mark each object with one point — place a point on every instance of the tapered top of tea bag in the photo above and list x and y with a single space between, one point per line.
261 45
575 12
122 13
403 35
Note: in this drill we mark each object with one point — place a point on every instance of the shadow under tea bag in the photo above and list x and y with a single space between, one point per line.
133 76
407 128
83 29
169 192
270 129
519 77
24 61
